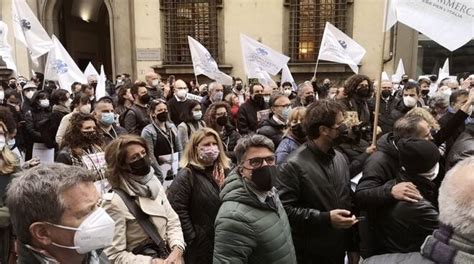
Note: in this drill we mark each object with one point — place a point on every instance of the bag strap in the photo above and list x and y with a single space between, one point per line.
142 218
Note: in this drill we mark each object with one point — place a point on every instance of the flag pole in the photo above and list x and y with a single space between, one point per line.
379 81
316 68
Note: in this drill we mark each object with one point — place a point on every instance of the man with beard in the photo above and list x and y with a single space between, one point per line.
136 118
248 121
305 95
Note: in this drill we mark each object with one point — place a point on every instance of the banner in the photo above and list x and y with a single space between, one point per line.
203 63
397 77
260 60
444 72
5 49
447 22
90 70
287 77
338 47
61 67
101 82
29 31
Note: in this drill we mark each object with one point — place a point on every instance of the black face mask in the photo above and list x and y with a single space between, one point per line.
343 134
425 92
12 85
162 117
363 92
91 137
145 99
298 131
238 87
204 93
94 84
386 93
222 120
309 99
258 99
140 167
264 177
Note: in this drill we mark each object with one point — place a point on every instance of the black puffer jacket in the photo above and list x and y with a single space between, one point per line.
311 184
354 151
462 148
272 130
35 119
194 195
229 138
247 122
386 120
403 227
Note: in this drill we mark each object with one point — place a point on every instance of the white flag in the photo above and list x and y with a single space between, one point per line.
265 78
391 14
259 58
338 47
90 70
444 72
100 89
287 77
204 63
5 49
61 67
385 77
448 23
28 30
397 76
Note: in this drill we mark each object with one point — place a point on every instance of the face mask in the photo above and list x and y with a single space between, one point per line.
181 93
222 120
91 98
86 109
203 93
287 92
298 131
68 103
266 99
94 84
29 94
107 118
386 93
447 92
144 99
363 92
90 136
343 132
286 113
432 173
258 99
119 82
2 95
396 86
13 85
11 143
197 115
309 99
155 82
264 178
409 101
140 167
218 97
162 117
95 232
44 103
209 154
425 92
3 142
238 87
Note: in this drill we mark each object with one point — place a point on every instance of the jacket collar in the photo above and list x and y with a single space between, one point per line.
326 157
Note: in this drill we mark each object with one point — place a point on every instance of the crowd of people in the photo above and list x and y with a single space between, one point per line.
176 172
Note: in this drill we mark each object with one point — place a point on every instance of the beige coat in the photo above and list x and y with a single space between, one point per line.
129 234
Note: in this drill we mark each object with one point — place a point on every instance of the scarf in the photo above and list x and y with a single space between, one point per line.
61 108
218 174
146 186
447 247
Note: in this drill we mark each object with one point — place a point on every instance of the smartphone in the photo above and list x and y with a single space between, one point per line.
360 218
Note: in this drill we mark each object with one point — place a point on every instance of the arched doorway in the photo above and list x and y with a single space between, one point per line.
84 29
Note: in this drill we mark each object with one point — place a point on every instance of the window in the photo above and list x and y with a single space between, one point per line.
196 18
307 21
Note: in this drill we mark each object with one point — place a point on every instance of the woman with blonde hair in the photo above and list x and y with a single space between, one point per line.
194 194
137 191
294 137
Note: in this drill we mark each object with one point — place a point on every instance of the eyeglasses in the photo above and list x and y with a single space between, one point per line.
285 105
257 162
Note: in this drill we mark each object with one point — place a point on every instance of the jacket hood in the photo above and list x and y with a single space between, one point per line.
237 191
386 145
271 122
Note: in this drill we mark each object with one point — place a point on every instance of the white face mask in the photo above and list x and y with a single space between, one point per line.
3 142
197 115
2 95
409 101
181 93
68 103
287 92
86 109
44 103
155 82
266 99
432 173
29 94
95 232
447 92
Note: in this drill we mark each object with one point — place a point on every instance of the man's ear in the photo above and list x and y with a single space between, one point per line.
41 233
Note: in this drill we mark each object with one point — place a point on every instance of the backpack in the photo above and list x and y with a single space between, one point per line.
141 124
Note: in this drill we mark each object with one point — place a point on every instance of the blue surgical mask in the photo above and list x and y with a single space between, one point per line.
286 112
107 118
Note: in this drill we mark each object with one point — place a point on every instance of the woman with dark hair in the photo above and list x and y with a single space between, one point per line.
61 106
218 117
124 100
357 91
82 138
81 104
192 121
38 114
194 194
133 182
162 139
275 126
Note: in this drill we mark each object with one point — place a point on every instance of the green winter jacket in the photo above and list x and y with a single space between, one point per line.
249 231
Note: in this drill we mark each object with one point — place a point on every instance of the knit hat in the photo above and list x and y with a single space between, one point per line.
417 155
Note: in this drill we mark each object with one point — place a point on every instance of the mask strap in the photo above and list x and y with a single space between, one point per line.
64 227
62 246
